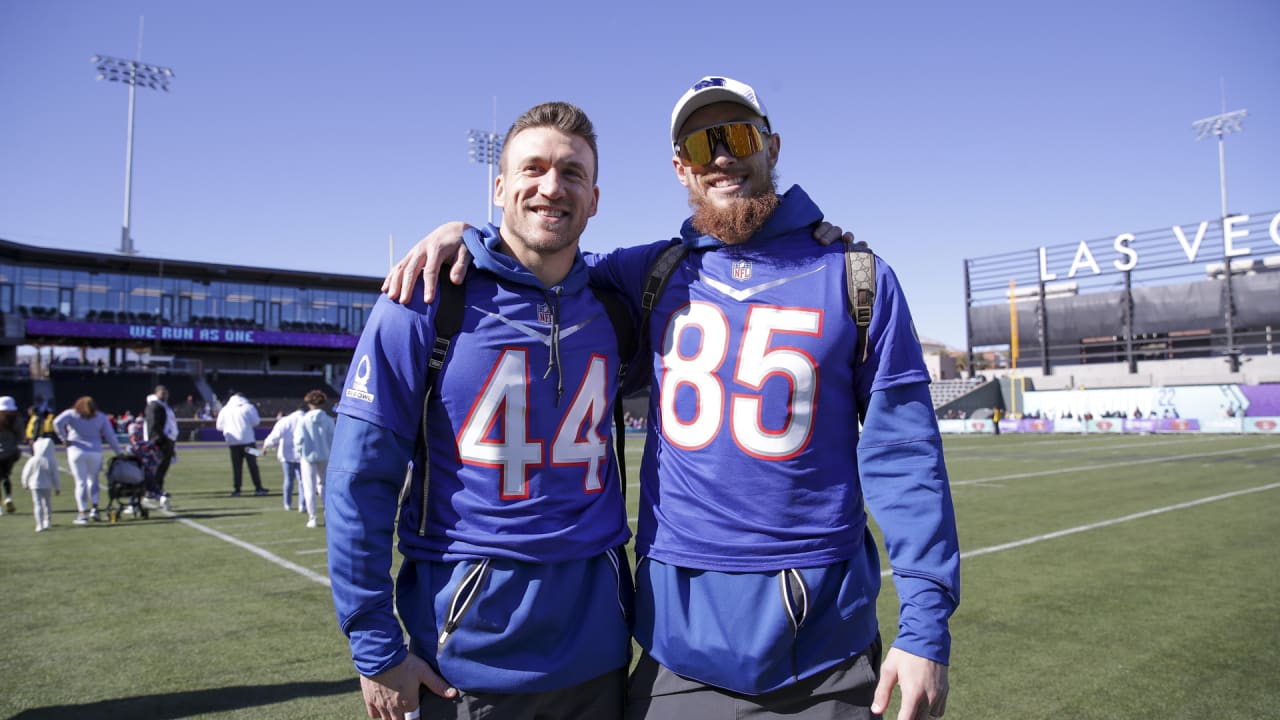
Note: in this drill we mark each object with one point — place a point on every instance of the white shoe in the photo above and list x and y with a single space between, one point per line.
128 510
40 529
164 502
311 522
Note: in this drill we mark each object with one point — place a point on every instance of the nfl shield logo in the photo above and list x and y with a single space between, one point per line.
742 270
544 314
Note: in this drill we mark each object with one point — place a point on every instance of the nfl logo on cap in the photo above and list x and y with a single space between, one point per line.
742 270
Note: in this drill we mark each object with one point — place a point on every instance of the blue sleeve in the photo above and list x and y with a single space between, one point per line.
387 378
904 481
363 481
894 356
624 270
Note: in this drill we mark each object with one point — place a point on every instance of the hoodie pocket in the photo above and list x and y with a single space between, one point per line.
464 597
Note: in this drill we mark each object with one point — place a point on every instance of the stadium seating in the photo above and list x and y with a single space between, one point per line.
944 391
272 393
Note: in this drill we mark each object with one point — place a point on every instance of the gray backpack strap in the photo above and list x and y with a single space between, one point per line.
860 276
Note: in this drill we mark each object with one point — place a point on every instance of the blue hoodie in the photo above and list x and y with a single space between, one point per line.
758 566
511 544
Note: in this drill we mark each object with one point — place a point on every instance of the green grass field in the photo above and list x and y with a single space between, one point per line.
1105 577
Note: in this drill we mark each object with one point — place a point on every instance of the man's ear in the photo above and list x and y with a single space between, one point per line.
775 145
497 191
680 169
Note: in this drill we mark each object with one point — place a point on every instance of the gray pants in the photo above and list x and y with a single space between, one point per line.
599 698
843 692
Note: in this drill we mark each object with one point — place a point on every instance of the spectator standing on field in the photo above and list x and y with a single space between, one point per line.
162 430
84 429
41 476
312 440
236 422
10 447
281 438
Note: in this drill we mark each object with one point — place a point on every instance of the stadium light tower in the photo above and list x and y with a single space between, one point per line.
133 73
485 147
1222 125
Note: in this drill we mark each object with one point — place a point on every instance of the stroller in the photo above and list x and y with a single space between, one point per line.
126 486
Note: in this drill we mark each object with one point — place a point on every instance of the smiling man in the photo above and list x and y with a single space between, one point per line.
775 423
513 591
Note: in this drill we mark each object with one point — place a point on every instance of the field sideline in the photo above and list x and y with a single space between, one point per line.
1105 577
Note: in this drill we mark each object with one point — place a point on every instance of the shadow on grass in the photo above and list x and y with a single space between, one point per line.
172 706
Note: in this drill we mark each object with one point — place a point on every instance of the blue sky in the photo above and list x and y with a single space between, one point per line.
301 135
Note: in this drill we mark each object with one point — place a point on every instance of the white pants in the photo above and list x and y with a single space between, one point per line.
313 484
40 498
85 466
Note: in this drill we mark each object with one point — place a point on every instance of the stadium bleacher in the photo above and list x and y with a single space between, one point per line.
272 393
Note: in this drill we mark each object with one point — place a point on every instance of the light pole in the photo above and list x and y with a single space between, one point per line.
485 147
1221 125
134 74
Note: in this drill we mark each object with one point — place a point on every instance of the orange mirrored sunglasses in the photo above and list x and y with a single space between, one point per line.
741 139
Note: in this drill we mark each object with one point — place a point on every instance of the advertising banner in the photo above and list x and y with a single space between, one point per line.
1105 425
179 333
1222 425
1179 425
1068 425
1262 425
1141 425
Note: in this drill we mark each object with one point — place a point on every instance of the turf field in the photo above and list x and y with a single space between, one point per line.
1105 577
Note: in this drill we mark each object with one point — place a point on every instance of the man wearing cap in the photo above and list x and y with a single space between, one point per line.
757 575
161 428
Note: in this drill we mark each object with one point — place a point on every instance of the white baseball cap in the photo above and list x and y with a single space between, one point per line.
714 89
8 403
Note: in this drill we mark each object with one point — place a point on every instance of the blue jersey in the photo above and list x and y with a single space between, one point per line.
753 462
521 476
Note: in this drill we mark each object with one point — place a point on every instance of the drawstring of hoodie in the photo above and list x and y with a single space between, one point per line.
553 358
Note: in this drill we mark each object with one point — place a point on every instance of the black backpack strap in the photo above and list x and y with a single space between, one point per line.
860 276
654 285
624 331
450 304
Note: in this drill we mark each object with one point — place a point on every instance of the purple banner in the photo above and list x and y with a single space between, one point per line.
1177 425
178 333
1264 400
1141 425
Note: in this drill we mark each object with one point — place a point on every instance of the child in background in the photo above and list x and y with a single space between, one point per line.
41 476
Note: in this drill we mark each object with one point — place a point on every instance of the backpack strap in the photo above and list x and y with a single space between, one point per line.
654 285
620 319
860 277
450 303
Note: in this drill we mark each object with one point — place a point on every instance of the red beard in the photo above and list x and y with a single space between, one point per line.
740 220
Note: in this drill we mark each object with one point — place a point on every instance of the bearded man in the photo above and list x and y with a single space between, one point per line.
757 575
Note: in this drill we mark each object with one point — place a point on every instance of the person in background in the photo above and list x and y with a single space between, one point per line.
84 430
41 476
236 421
281 438
11 433
313 440
162 430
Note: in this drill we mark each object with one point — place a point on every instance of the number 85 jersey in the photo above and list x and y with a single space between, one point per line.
751 461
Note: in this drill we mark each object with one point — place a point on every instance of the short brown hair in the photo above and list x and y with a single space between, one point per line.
85 407
316 398
565 117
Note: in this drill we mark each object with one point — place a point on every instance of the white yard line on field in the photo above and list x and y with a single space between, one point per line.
1106 523
1124 463
264 554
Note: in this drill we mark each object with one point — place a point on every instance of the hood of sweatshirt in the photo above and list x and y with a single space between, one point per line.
795 212
485 246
